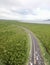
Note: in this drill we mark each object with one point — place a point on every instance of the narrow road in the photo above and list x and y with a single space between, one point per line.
35 56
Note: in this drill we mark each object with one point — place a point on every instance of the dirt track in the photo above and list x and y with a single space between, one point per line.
35 56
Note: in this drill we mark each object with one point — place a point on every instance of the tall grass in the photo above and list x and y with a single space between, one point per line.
14 48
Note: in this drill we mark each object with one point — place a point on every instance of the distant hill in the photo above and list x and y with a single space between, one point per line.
47 20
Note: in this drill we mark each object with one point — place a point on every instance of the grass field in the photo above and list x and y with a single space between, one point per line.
42 31
14 44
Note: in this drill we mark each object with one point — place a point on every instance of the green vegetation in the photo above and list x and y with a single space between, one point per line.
14 48
14 44
42 31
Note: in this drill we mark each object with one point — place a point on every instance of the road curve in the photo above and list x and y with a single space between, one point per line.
35 56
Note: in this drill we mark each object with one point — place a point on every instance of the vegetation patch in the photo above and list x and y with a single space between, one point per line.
14 49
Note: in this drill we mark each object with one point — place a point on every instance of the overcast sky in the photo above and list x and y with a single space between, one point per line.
25 9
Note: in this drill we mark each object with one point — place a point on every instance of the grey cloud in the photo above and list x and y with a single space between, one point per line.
24 8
